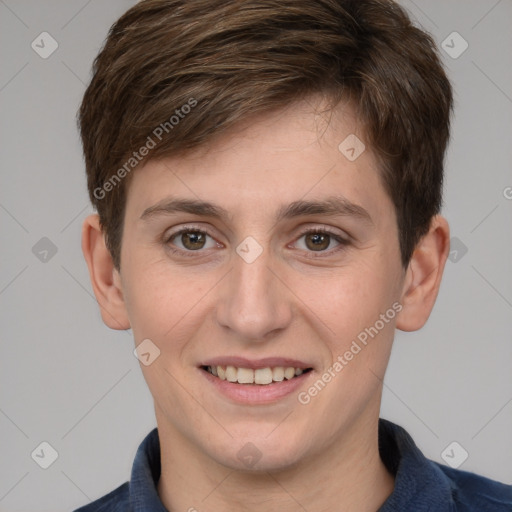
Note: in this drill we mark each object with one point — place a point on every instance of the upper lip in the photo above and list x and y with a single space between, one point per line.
266 362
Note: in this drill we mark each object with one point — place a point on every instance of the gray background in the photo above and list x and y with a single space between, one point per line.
68 380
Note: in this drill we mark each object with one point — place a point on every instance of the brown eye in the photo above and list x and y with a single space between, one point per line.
321 241
189 240
317 241
193 240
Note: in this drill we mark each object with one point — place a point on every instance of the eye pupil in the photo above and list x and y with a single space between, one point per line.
318 240
193 240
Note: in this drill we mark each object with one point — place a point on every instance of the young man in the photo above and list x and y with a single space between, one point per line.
267 176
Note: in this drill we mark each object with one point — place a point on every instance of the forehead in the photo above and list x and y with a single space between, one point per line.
300 152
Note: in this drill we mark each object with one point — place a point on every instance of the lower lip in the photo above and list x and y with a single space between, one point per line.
256 393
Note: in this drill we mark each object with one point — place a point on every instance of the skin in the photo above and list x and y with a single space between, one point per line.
320 456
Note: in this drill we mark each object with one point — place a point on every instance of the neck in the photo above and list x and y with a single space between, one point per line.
347 475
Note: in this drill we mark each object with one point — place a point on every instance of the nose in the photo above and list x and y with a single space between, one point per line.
254 301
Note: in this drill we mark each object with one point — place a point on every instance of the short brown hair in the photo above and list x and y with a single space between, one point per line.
230 59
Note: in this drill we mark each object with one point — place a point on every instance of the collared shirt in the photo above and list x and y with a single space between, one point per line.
421 485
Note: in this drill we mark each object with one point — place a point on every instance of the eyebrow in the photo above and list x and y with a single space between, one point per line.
331 206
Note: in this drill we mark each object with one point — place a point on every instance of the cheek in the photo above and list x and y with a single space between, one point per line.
162 303
349 300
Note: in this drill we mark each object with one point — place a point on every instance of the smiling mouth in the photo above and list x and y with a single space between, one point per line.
260 376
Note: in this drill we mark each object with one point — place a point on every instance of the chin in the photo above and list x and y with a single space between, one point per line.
257 454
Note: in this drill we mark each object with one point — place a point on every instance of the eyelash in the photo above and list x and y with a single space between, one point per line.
343 242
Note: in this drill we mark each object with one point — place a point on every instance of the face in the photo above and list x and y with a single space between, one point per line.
292 267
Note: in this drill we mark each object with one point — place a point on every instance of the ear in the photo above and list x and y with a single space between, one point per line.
105 279
423 276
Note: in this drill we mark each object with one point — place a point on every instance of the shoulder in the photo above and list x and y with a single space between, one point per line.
424 485
141 490
474 492
115 501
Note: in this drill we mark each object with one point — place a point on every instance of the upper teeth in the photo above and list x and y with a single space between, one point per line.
250 376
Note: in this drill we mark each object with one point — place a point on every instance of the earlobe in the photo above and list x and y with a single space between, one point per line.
423 276
105 279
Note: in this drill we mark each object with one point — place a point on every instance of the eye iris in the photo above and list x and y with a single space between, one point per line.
319 240
193 240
